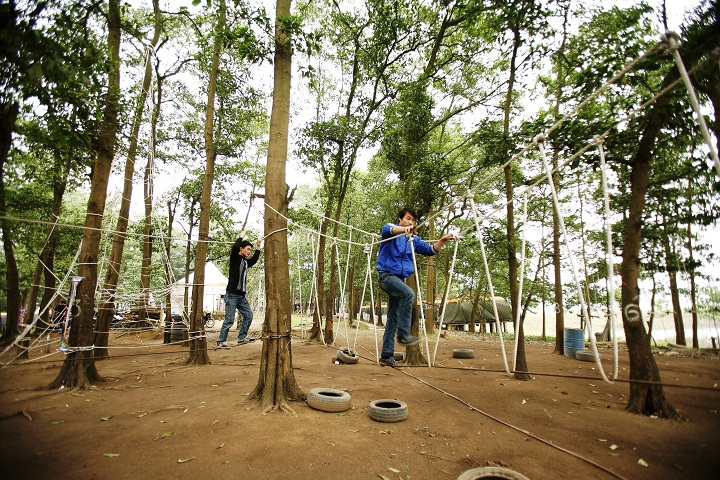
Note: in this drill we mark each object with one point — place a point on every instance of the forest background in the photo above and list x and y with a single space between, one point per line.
434 97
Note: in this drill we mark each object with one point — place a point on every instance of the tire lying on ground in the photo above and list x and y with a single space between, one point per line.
492 472
329 400
388 410
585 356
463 353
347 356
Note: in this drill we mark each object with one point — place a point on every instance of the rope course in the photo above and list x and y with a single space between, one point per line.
668 43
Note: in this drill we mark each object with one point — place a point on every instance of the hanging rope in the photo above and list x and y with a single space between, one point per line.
410 237
540 140
489 280
672 39
609 258
445 299
522 275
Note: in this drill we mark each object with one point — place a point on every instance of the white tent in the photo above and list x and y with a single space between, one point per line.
213 297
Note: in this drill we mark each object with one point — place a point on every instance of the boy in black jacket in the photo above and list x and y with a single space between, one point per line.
240 261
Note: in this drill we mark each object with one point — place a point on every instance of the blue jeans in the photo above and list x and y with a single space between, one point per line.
399 313
233 302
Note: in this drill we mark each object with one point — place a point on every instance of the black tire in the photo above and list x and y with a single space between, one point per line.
585 356
347 356
399 356
210 323
463 353
329 400
388 410
492 472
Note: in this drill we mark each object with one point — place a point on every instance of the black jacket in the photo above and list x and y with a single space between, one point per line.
237 274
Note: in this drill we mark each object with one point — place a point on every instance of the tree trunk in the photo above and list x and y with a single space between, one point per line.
78 369
198 342
8 115
315 333
671 266
645 398
167 327
60 175
691 272
276 381
107 294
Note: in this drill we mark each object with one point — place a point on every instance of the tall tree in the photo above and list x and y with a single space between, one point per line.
106 309
79 369
198 343
276 380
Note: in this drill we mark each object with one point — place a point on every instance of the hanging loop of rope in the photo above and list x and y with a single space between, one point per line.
583 305
490 284
609 257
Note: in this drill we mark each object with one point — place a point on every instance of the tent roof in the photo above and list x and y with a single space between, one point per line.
213 277
459 311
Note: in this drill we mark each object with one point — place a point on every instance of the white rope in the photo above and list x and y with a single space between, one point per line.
419 298
317 309
489 280
540 140
302 310
672 40
522 276
445 300
609 257
368 279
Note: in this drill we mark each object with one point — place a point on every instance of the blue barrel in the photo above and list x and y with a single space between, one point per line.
574 341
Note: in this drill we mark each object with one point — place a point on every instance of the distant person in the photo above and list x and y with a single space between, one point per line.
394 265
241 258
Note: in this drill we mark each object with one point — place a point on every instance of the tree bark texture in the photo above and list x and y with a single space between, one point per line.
78 369
645 398
107 294
276 381
8 115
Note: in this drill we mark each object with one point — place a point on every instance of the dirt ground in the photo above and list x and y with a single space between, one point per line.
154 417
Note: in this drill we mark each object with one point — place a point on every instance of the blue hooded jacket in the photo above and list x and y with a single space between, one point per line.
395 256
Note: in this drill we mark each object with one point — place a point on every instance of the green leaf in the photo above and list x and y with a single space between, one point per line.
394 470
165 435
111 454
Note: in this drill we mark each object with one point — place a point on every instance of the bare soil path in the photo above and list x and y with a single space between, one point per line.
155 418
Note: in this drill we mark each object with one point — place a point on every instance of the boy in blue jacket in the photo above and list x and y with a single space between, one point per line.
394 265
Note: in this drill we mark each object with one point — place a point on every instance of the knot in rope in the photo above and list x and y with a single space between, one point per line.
367 248
669 42
539 139
598 140
470 195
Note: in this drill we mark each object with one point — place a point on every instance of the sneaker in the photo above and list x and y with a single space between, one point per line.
408 340
390 362
223 345
243 341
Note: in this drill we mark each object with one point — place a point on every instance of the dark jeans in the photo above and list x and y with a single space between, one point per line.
399 313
